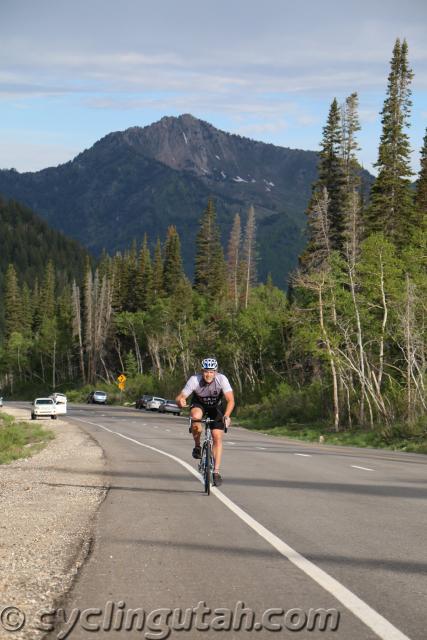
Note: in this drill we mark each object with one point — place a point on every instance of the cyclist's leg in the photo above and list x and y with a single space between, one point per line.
217 434
196 413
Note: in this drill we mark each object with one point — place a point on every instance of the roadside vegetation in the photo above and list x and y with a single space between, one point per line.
21 439
345 348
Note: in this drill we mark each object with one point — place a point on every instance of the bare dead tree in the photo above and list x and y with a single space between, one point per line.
317 282
249 256
77 327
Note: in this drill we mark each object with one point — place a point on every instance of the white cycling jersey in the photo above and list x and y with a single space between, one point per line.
208 394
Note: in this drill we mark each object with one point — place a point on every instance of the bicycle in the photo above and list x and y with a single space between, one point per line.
207 462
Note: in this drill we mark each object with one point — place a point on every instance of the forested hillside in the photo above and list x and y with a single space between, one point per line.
28 243
346 346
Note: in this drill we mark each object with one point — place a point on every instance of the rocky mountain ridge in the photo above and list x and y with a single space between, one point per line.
145 178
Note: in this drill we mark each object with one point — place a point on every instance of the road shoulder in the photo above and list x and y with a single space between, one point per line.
49 504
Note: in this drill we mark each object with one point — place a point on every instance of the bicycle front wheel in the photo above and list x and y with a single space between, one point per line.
207 468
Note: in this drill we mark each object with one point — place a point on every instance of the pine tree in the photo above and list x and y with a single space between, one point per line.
172 264
12 302
36 306
391 210
158 270
27 314
421 193
349 145
331 173
48 292
144 277
118 282
233 260
336 145
352 202
210 268
130 265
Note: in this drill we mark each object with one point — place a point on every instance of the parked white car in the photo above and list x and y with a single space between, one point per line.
61 403
1 401
43 407
154 403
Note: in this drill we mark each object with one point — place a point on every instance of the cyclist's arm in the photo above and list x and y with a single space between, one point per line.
229 398
181 400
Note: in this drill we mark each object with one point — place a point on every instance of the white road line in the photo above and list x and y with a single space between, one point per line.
261 448
168 430
304 455
230 443
371 618
363 468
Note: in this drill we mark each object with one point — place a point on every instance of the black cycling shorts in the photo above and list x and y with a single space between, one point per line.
213 412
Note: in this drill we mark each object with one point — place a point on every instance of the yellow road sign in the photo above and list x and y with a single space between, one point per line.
122 386
121 378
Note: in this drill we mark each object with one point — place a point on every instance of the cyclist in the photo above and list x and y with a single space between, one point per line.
209 389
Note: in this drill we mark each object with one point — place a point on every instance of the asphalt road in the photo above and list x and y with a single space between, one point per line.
295 528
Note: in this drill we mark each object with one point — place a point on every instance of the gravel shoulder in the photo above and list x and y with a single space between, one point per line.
48 504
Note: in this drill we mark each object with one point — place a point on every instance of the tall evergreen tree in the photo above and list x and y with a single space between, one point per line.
172 264
158 270
352 200
129 277
331 173
119 282
332 178
233 260
349 146
144 277
48 292
12 302
391 210
27 315
421 193
210 269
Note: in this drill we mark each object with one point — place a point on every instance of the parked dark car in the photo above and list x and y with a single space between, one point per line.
97 397
141 402
170 406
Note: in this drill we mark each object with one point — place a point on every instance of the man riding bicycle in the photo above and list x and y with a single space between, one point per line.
209 389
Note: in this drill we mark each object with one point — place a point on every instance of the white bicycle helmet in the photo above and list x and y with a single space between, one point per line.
209 363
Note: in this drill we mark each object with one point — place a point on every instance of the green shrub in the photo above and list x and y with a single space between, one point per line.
286 405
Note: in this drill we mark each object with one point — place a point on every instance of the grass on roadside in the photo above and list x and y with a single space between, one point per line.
393 439
21 439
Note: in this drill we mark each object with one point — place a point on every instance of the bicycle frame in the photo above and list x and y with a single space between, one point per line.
206 464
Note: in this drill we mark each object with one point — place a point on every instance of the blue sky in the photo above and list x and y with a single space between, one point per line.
71 72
